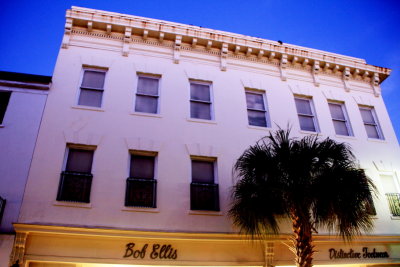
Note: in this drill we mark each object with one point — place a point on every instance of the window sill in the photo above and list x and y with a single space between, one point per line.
376 140
262 128
350 137
139 209
88 108
205 212
396 218
310 132
201 121
2 125
72 204
143 114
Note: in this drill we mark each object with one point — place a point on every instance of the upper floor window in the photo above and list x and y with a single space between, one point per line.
256 109
141 185
306 114
76 179
4 99
340 119
147 94
391 190
204 193
371 122
92 88
200 100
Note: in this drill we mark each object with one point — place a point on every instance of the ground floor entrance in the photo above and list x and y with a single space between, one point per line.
63 246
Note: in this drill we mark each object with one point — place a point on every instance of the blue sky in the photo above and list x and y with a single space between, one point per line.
31 31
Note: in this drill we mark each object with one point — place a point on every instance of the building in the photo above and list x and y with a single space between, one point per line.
145 119
22 101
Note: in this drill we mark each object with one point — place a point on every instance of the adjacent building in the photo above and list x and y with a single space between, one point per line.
144 121
22 101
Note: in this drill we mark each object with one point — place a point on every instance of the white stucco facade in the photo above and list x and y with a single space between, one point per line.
126 48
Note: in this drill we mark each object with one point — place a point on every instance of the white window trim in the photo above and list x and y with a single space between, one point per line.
346 118
376 124
153 76
105 71
210 86
266 110
313 115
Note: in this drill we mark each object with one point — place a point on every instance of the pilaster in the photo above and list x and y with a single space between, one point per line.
18 251
127 41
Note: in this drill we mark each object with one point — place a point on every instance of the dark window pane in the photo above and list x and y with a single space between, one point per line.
79 160
303 106
255 101
307 123
93 79
148 86
140 193
146 104
372 132
367 116
257 118
75 187
200 110
4 99
202 171
340 127
204 197
142 167
90 98
200 92
336 111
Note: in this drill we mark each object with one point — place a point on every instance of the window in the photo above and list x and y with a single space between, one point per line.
141 187
92 88
256 109
340 119
203 189
371 123
3 202
200 101
390 187
76 180
147 94
4 99
306 114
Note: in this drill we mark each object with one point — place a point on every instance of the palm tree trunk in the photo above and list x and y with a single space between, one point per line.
302 240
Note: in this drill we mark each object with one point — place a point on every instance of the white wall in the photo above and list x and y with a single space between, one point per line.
114 129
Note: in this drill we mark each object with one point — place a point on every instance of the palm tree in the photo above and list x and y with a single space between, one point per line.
315 184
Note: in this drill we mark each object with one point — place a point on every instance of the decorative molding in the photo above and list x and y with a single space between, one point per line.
161 37
269 254
346 78
199 74
177 48
67 33
108 29
209 45
253 84
224 56
145 34
315 73
96 61
283 66
143 144
127 41
362 101
18 250
375 85
201 150
383 167
194 42
90 26
297 90
334 95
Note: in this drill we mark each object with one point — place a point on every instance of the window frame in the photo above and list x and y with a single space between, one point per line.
213 187
265 110
345 115
65 173
151 76
313 113
101 70
210 103
375 124
130 179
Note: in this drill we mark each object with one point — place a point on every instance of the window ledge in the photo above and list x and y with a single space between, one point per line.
262 128
205 212
88 108
2 125
395 217
376 140
201 121
139 209
72 204
310 132
350 137
154 115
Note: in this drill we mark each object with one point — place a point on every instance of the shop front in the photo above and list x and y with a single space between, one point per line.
60 246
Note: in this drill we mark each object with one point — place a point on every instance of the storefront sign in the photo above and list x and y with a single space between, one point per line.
366 253
154 252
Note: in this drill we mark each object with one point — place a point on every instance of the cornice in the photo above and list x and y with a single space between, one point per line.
128 29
